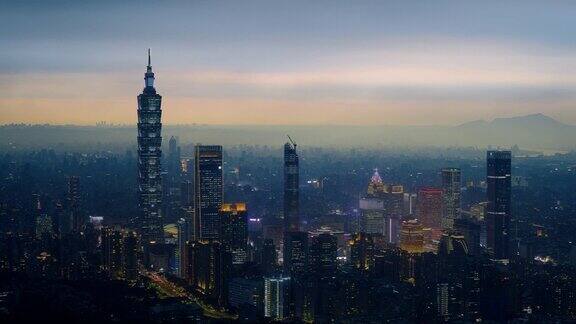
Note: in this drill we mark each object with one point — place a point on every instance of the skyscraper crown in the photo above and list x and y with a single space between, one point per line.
149 76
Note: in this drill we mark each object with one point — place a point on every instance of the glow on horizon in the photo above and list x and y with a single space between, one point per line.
362 63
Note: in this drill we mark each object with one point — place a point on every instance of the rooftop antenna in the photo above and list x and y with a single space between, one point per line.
149 61
291 141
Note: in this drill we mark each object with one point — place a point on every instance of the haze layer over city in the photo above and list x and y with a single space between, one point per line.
287 161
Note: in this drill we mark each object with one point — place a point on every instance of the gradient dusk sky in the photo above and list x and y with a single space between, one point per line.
288 62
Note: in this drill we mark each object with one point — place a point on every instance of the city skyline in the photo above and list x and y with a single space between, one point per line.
358 63
263 223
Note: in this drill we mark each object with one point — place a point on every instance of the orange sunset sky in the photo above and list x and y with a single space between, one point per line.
338 62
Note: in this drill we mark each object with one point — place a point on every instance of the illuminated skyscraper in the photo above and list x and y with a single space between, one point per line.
371 215
131 255
381 209
235 231
450 197
149 155
442 301
291 188
412 237
209 270
208 191
112 247
498 174
277 298
372 207
362 251
430 207
376 186
295 253
393 212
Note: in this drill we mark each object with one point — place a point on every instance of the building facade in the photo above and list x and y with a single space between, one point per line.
430 207
149 156
208 182
277 298
234 233
498 178
291 188
450 196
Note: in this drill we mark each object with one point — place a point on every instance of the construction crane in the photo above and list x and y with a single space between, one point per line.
291 141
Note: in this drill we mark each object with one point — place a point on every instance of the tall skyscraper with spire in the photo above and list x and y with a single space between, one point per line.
291 188
149 156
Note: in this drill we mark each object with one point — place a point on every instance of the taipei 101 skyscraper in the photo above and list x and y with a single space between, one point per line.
149 155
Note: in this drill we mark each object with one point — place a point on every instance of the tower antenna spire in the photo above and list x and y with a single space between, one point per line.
149 61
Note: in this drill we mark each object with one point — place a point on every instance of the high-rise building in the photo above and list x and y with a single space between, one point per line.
410 203
44 226
322 255
412 237
234 234
442 301
470 229
113 248
498 178
209 270
172 182
277 298
453 244
247 293
371 219
208 195
269 257
430 207
362 251
131 255
295 253
393 212
371 215
381 209
450 196
174 164
291 188
186 194
376 186
182 259
149 156
75 217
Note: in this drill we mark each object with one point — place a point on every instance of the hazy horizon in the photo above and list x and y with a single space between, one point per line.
288 63
104 123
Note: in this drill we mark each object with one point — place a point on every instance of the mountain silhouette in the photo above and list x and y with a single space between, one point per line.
535 131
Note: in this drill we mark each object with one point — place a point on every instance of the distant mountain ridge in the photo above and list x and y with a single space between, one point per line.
532 120
535 132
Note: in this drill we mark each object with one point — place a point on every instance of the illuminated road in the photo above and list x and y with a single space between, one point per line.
170 289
